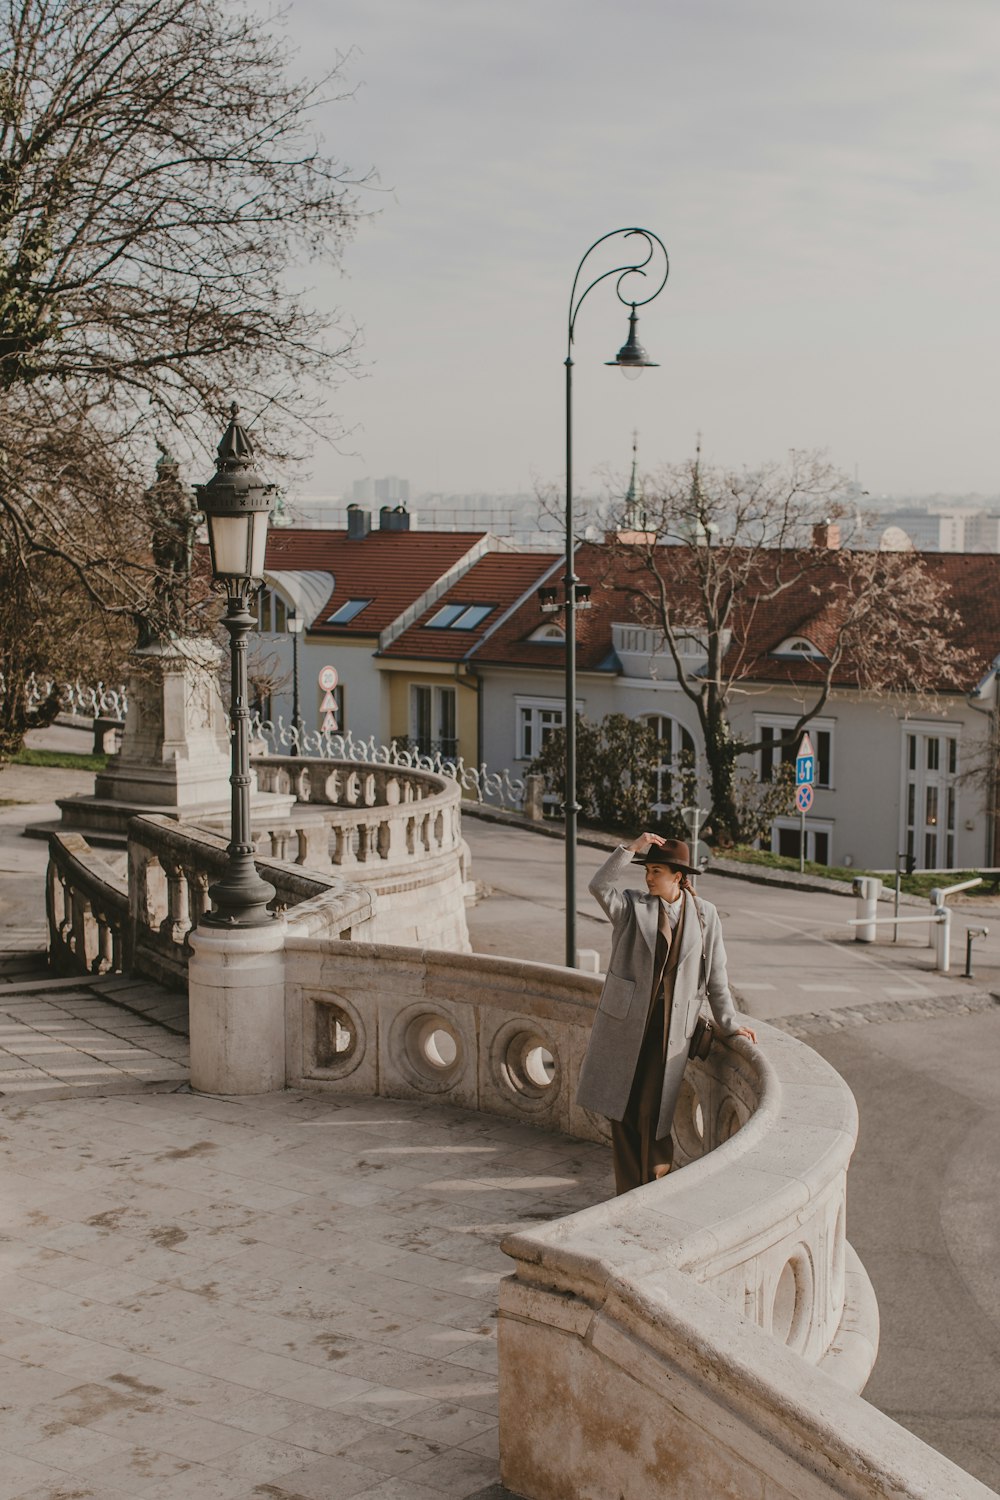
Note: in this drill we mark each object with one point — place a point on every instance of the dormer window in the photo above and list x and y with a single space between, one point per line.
548 634
798 646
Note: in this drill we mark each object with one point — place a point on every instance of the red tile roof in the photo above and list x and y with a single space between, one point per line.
810 609
392 568
499 579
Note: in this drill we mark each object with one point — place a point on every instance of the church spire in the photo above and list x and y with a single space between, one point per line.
632 520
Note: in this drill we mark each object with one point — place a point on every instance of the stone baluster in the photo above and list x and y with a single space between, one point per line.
198 902
177 922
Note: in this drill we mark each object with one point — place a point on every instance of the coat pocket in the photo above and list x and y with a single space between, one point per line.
616 996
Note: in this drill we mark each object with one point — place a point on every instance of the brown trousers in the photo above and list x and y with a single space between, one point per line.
634 1148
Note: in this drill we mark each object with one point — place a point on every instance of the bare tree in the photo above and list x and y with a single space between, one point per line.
160 178
727 560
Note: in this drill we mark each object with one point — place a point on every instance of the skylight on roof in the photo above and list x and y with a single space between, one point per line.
460 616
347 612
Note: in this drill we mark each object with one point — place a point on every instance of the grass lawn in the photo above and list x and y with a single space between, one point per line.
921 883
60 760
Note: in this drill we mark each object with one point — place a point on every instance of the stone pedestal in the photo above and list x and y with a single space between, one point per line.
175 748
236 992
175 755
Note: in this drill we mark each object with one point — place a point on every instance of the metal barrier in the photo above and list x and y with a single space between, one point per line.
867 889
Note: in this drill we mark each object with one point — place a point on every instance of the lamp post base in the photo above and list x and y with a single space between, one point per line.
241 897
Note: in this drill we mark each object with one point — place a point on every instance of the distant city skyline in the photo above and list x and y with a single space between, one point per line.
823 177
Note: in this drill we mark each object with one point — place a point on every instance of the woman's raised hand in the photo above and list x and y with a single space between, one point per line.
640 844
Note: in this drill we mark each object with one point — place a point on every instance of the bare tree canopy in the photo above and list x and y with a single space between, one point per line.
735 564
160 178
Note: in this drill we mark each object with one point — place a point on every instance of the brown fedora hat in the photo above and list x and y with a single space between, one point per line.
672 852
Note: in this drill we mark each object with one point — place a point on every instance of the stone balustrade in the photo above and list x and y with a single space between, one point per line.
100 922
172 865
394 829
383 813
86 903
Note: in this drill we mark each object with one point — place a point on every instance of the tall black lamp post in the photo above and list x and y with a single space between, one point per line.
631 359
295 623
237 502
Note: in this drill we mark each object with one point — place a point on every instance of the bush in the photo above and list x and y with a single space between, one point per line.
617 761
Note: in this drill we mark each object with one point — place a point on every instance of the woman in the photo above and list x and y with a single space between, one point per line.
666 953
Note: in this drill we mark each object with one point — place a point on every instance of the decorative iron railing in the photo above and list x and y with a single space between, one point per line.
478 783
93 701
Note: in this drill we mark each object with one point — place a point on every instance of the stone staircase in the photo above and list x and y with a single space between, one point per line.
64 1037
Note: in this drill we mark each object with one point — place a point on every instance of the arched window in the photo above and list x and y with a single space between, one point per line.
673 740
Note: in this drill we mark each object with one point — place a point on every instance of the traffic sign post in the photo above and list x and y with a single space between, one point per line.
693 819
805 775
328 679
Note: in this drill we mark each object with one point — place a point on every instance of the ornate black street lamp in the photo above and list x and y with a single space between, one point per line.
237 502
631 359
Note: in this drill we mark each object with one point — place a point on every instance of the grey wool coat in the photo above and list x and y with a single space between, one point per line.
619 1025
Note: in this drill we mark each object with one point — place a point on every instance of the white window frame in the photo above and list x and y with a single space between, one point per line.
662 769
945 780
781 723
535 706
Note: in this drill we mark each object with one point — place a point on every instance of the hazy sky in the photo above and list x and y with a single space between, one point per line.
824 175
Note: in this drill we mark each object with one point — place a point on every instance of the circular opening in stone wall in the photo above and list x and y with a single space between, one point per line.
689 1122
433 1048
529 1064
838 1260
440 1048
727 1122
540 1066
338 1038
791 1310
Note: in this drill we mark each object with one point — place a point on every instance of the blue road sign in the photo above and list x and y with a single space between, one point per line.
804 797
805 764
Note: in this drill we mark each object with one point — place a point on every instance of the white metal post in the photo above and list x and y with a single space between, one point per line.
866 889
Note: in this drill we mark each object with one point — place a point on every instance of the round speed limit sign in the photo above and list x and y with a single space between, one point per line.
328 678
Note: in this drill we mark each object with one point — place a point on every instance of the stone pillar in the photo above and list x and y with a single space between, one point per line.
534 794
236 989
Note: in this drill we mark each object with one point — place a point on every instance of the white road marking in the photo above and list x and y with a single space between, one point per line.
830 989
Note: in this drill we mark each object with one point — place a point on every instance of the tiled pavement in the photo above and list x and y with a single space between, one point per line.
287 1297
61 1037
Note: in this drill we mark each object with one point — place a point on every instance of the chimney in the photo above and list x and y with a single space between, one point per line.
359 523
827 534
394 519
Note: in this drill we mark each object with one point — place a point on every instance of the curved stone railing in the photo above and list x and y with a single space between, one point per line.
759 1212
172 865
383 813
99 922
396 830
86 904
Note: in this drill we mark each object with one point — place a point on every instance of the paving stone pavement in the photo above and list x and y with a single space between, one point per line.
65 1037
289 1297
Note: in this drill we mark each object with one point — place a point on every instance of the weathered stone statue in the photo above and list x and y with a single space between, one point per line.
173 521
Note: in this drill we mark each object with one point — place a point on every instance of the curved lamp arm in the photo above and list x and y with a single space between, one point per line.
633 268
